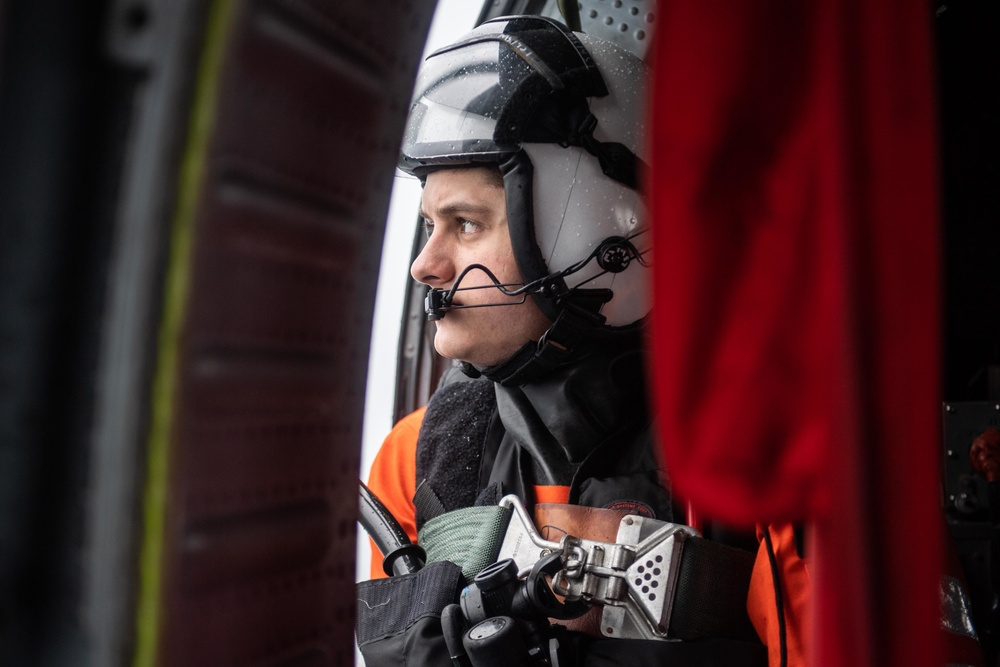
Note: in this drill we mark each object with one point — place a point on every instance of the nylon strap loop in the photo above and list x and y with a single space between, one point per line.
469 537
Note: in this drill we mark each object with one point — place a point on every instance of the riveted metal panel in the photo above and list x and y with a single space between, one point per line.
264 455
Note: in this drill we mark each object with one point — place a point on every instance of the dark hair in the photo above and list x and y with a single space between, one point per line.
492 173
494 176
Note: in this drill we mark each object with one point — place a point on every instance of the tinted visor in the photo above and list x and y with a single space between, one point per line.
476 100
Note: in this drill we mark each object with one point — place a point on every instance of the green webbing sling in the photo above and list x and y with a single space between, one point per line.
469 537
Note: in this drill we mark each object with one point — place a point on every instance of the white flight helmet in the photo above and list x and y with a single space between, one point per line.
561 114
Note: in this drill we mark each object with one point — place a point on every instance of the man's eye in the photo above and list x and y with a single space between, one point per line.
469 227
428 227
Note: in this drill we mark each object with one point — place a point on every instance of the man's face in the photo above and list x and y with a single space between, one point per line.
466 214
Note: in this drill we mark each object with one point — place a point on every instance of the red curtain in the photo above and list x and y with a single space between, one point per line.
793 188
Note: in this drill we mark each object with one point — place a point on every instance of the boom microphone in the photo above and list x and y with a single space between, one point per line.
613 255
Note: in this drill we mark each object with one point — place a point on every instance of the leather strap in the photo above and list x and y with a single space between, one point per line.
591 523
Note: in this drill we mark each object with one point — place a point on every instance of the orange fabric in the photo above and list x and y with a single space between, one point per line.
393 478
552 494
795 590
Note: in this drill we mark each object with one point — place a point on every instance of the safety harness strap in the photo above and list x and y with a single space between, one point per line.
469 537
712 589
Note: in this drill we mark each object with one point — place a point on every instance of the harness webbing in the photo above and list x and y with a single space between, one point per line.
469 537
712 588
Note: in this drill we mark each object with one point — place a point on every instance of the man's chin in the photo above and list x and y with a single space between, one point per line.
448 350
453 341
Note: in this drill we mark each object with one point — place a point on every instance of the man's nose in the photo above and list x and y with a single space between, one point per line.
433 266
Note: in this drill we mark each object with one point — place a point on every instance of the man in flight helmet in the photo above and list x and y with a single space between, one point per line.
528 139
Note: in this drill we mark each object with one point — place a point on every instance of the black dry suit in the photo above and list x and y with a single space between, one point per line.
584 425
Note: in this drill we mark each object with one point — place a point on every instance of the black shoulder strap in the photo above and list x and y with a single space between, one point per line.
427 504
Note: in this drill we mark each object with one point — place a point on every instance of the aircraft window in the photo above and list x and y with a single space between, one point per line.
451 19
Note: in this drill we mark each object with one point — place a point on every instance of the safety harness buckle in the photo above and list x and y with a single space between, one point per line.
634 579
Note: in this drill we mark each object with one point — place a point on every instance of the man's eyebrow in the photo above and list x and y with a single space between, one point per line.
452 208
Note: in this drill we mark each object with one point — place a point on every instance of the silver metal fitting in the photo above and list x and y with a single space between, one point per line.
633 579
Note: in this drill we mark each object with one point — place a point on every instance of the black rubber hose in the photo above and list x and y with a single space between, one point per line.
453 627
401 555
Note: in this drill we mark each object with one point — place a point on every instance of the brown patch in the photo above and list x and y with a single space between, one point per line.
632 507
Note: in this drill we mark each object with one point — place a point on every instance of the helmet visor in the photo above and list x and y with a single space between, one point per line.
474 99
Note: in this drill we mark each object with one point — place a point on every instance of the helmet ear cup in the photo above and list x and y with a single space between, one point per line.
575 209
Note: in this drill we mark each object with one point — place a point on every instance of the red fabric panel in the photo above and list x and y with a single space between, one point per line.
795 335
747 284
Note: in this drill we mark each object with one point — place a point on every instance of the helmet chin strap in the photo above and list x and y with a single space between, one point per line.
613 255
